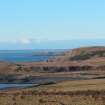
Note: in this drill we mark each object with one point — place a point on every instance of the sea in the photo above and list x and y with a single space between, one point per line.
28 55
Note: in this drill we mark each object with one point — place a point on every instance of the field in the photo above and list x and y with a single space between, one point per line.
83 92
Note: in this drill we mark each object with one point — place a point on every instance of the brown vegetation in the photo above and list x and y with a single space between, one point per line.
83 62
84 92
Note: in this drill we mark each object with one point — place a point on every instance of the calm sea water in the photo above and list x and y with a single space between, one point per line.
5 86
25 55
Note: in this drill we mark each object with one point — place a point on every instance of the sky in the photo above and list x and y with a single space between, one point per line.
51 24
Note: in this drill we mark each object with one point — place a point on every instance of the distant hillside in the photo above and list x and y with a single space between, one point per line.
87 59
84 53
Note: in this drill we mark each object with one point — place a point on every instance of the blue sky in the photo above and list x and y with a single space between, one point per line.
48 24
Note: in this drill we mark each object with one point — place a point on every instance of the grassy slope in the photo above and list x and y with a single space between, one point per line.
84 92
83 53
81 85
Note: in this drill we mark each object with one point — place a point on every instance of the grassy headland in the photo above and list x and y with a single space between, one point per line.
88 63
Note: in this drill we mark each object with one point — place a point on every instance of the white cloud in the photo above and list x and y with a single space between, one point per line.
24 40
